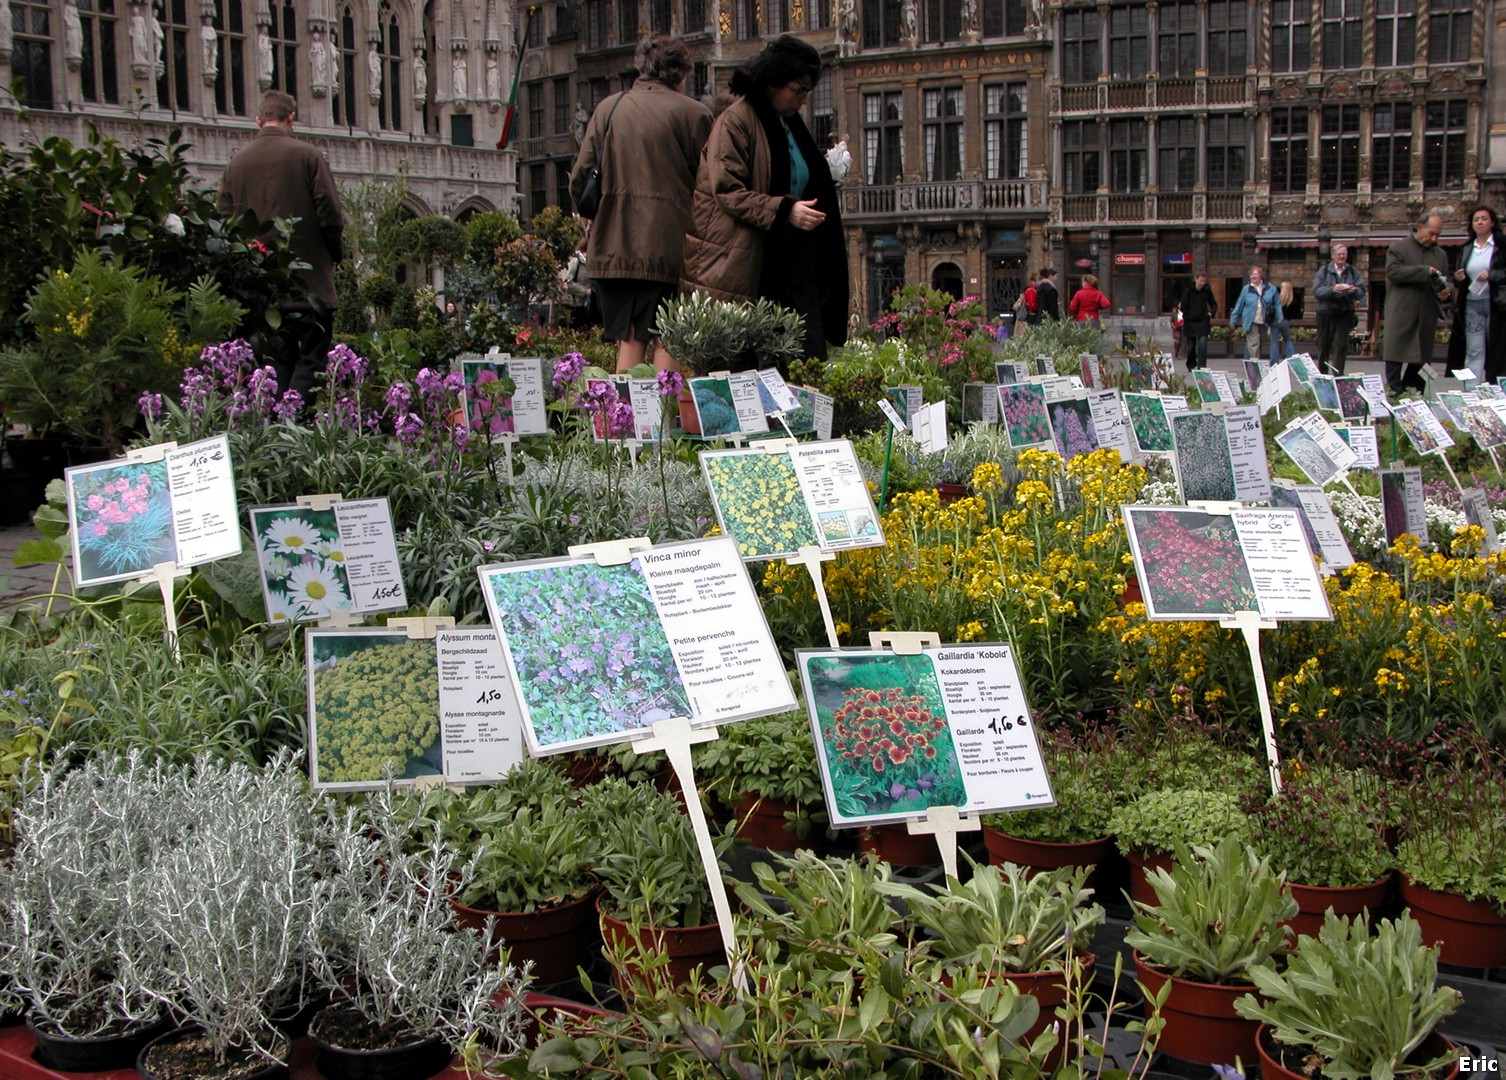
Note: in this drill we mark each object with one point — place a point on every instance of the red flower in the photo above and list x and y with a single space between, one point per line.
899 755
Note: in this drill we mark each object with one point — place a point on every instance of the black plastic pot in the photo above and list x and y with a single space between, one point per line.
96 1053
256 1069
413 1061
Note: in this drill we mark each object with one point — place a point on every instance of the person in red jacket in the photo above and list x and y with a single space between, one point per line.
1087 302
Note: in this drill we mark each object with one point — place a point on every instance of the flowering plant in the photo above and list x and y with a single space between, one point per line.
124 519
1323 830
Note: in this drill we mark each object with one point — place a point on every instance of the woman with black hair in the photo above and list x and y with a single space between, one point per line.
1478 341
764 217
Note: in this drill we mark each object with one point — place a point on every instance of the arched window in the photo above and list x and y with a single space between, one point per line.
389 50
172 83
230 46
344 44
97 72
284 34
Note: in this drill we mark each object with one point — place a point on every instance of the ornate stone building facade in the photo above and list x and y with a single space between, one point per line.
383 86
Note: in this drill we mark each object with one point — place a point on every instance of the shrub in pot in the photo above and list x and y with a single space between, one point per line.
813 913
704 334
1219 911
1454 881
411 986
1353 1004
765 770
1151 827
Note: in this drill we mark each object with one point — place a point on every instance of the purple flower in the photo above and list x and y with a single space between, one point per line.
896 790
408 427
290 405
567 369
345 364
150 405
670 382
399 397
619 420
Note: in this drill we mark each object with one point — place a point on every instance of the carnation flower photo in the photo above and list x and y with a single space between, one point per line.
882 735
1205 469
122 520
1022 410
1148 421
593 662
1191 564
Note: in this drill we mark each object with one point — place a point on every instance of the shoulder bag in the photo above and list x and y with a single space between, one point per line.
590 191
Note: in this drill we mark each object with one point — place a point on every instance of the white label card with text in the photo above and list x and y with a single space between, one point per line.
480 724
376 578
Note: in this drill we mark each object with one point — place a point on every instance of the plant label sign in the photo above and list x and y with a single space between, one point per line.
1316 448
480 728
1274 387
600 652
316 562
775 393
1403 505
1106 410
125 517
1043 364
1303 367
1323 533
1421 427
928 427
489 413
1350 390
906 400
648 403
1373 390
747 402
1486 423
1361 439
1477 512
1011 371
898 734
1092 370
1057 386
1221 458
774 504
980 403
1023 409
1214 386
823 409
1198 565
1072 427
1452 402
1148 423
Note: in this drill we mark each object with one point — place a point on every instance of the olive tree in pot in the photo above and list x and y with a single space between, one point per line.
413 987
1219 912
1353 1005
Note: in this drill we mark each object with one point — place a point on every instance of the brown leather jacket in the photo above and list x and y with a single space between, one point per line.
652 146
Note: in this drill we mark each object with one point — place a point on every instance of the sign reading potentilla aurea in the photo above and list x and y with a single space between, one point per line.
898 734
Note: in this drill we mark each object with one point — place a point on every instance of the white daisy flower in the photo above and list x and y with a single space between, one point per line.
278 567
331 551
293 535
279 608
317 589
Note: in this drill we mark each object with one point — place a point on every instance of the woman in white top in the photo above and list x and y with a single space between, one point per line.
1478 341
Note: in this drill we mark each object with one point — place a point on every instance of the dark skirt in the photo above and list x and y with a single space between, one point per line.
789 279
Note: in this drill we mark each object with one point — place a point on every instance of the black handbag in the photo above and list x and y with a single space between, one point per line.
589 200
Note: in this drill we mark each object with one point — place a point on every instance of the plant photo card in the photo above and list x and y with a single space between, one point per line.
1325 392
1421 427
601 652
1149 423
1318 520
1486 423
504 394
714 407
1350 390
1477 513
125 517
1403 505
1011 371
380 700
1196 565
1023 408
1303 366
1361 439
316 562
898 734
1453 402
771 502
980 403
1072 427
1221 457
1316 448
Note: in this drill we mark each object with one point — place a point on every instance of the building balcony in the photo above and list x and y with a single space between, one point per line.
942 201
1154 94
1168 209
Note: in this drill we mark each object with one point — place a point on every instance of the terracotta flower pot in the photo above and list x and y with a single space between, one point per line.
1041 855
1201 1024
690 420
761 822
1139 863
1049 988
1313 902
1470 933
557 939
687 948
897 846
949 493
1271 1067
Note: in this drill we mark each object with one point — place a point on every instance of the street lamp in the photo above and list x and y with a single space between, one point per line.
1325 243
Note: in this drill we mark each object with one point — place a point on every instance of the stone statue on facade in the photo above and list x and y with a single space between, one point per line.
320 63
493 78
159 46
141 42
420 80
1035 23
263 57
209 51
458 89
73 36
7 33
373 73
908 17
578 123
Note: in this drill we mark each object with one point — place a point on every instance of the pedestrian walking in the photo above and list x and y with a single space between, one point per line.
1417 285
1337 289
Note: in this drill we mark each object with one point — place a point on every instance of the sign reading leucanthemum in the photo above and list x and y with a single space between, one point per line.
897 734
380 699
1198 565
600 651
775 500
317 561
126 517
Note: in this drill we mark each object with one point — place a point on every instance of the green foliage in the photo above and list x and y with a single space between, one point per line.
1064 341
434 238
379 292
1219 912
376 222
857 374
1005 918
1363 1004
1085 778
524 270
350 315
103 334
561 231
707 335
771 757
1322 831
820 913
1178 817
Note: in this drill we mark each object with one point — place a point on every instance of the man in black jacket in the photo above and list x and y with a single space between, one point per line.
1199 309
1047 298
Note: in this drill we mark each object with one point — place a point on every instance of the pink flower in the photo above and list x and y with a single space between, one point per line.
99 528
94 502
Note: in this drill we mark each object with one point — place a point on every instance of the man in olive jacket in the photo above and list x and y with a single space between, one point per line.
278 176
1416 270
648 142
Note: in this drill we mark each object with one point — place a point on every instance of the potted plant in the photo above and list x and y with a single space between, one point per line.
1009 925
1452 858
528 846
1075 832
704 335
1329 843
656 902
765 769
412 987
817 913
66 957
1350 1003
1152 827
1218 912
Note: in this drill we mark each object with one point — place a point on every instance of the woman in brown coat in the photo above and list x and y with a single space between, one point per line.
764 217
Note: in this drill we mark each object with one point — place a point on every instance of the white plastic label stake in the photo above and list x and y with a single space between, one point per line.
611 552
811 558
903 642
337 618
319 502
163 574
675 737
1249 623
944 822
420 627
